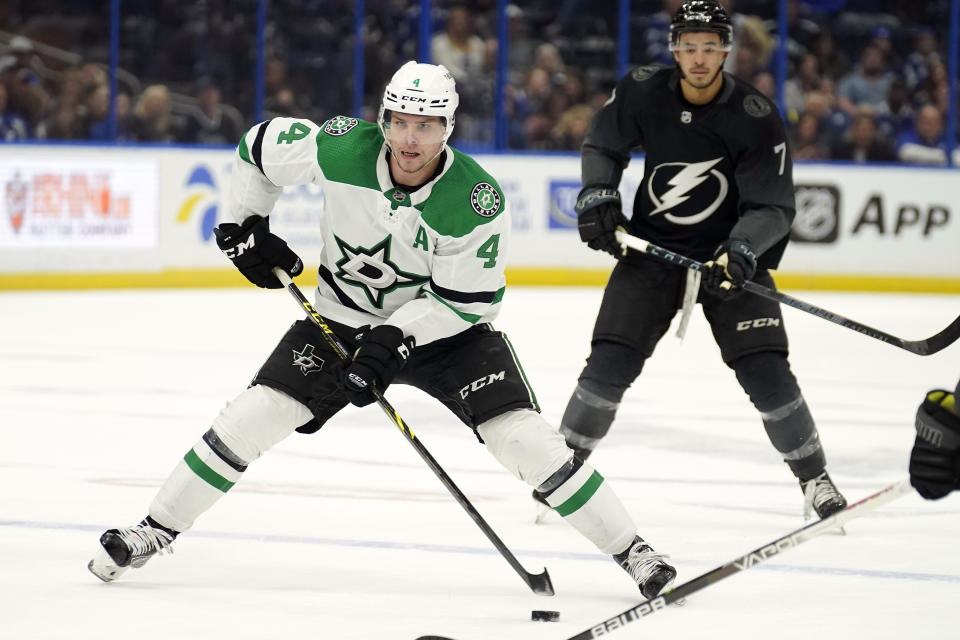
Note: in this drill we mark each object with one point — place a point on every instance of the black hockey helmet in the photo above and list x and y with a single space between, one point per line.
702 15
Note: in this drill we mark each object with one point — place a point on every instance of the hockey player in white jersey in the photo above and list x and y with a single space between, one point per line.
411 275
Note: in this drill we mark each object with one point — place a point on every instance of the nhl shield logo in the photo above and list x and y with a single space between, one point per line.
16 201
756 106
485 200
644 73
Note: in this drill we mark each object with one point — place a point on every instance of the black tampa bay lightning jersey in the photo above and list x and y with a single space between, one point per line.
706 165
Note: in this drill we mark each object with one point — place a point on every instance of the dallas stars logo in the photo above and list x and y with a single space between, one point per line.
485 199
373 271
306 361
339 125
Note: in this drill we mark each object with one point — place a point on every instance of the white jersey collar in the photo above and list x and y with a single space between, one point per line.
421 194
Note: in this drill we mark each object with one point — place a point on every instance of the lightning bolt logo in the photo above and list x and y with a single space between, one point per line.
686 180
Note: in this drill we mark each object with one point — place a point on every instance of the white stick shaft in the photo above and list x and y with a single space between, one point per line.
282 276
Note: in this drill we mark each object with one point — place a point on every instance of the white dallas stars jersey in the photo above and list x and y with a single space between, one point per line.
429 262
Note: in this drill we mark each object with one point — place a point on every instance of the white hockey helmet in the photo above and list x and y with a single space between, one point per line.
423 90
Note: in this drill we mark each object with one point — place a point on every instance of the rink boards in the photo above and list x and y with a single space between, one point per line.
94 216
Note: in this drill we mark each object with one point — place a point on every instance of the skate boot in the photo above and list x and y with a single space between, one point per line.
543 509
121 549
647 567
822 496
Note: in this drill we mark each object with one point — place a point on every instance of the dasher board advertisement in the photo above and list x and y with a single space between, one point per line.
79 202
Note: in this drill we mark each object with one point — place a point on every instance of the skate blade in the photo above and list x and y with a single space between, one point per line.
543 513
103 566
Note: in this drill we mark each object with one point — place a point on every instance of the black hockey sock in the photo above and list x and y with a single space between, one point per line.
586 420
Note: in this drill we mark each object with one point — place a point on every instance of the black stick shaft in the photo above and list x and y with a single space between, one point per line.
746 561
926 347
539 583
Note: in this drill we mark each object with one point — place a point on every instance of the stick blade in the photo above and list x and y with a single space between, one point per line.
940 341
540 583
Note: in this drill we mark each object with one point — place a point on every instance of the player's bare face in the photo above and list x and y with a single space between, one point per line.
700 57
415 144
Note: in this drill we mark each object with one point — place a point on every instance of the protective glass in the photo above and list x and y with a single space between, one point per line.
693 47
404 129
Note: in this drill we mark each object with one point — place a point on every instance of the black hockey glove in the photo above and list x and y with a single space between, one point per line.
599 213
733 262
378 359
255 251
935 458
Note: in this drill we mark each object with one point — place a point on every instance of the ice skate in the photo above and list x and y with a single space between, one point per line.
121 549
822 496
543 509
647 567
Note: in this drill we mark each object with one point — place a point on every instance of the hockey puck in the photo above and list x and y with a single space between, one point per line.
544 616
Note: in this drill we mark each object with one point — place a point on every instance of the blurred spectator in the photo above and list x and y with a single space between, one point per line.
833 63
822 104
63 123
282 103
863 142
12 126
738 20
881 38
99 128
900 117
279 97
754 50
571 127
211 122
868 84
807 143
547 57
459 48
528 102
925 143
916 68
936 81
21 63
802 32
765 83
469 60
805 79
521 44
151 116
656 35
96 108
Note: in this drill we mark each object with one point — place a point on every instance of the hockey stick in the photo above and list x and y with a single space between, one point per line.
926 347
742 563
539 583
747 561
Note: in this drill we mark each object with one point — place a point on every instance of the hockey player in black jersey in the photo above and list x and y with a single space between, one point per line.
717 187
935 457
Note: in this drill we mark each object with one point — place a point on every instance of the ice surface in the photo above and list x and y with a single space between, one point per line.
347 534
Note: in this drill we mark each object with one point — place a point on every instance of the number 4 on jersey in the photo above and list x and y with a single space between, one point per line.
296 131
488 251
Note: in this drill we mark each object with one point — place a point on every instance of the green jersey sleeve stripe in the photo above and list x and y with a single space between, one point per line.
467 317
243 152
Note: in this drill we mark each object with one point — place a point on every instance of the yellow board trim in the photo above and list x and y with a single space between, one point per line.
520 276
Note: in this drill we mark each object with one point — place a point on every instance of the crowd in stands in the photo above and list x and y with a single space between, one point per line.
867 80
